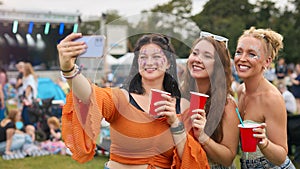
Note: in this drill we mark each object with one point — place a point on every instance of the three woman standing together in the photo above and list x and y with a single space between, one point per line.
141 141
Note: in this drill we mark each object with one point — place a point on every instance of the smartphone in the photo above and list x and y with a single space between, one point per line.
95 45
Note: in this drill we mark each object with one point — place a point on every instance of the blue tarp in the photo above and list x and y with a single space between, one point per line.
48 89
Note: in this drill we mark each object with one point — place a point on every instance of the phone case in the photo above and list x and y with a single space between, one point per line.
95 45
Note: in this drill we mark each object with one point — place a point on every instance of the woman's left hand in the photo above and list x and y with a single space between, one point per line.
167 107
260 133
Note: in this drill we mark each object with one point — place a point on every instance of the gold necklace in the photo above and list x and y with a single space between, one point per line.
245 95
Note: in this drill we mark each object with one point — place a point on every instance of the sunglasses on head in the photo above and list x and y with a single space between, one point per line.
215 37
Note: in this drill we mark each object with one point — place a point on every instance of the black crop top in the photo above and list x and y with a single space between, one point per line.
134 103
3 130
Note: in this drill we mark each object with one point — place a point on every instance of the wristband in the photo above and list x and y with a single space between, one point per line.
68 71
77 71
177 130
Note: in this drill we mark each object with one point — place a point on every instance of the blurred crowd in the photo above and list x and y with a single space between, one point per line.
28 127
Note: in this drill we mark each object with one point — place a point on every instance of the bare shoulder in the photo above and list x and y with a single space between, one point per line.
240 89
230 107
273 102
4 122
126 93
271 96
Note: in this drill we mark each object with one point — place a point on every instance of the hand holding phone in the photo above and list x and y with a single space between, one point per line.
95 46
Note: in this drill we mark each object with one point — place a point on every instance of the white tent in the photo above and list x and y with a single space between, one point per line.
126 59
110 60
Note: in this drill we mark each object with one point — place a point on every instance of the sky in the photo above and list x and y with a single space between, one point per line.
91 7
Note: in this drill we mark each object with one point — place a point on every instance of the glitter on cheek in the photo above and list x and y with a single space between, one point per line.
142 62
257 50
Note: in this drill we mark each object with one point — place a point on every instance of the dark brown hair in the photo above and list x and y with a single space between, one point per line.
170 83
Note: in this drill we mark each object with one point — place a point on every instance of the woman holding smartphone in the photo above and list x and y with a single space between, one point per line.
138 141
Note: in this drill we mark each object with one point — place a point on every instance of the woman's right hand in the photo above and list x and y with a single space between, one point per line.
68 50
198 123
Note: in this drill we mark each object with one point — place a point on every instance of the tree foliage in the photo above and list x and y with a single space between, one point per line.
226 18
230 18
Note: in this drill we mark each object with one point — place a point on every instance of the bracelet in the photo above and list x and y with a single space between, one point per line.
265 145
68 71
77 72
178 130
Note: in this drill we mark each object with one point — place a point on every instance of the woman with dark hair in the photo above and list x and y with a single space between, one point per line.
215 127
138 140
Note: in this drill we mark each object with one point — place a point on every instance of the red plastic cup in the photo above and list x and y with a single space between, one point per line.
247 140
155 97
197 101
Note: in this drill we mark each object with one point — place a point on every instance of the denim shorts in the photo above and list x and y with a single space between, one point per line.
259 163
263 163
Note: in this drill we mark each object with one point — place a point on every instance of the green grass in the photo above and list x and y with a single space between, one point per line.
57 161
63 162
52 162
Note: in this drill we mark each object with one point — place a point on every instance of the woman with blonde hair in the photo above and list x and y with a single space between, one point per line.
29 90
259 101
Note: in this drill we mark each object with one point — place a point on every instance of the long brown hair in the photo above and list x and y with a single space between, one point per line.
218 94
12 114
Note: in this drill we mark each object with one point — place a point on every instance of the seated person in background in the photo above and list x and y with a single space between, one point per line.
54 144
9 139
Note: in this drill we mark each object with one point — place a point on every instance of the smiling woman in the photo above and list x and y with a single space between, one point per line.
215 127
138 140
260 101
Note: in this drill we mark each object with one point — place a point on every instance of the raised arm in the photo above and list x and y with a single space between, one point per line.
68 51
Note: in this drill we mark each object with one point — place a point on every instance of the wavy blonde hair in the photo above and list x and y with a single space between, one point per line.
271 39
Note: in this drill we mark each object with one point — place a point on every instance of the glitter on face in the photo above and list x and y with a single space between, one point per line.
152 56
253 51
